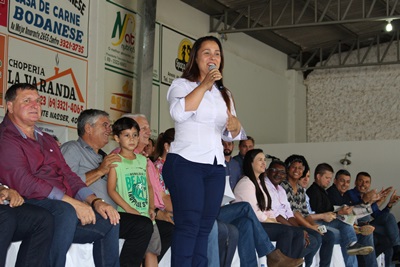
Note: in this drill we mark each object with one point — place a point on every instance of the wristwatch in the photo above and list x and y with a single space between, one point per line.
95 200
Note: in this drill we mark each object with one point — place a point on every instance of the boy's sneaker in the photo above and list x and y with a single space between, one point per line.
358 249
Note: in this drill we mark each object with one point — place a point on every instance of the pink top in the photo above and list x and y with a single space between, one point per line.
154 177
246 191
159 163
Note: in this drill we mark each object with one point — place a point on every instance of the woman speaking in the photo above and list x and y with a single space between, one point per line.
204 112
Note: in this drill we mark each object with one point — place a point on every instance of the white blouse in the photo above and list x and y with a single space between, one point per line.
198 133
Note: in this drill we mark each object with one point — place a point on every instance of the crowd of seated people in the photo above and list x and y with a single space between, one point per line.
78 191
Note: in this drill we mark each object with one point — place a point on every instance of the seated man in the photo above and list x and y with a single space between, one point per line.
31 163
337 196
320 203
383 221
27 223
86 158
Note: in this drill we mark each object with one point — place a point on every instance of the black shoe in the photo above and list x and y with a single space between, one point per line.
358 249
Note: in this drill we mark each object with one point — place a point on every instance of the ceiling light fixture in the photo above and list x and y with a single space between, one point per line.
389 26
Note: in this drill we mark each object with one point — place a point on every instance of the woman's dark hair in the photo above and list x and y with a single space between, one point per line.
192 71
297 158
249 172
165 137
124 123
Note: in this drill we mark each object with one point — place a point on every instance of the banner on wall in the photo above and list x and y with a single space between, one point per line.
118 100
60 78
120 29
60 24
175 52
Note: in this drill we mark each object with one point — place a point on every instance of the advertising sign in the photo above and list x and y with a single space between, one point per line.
60 78
61 24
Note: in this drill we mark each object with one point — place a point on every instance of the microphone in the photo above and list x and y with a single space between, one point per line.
218 83
271 157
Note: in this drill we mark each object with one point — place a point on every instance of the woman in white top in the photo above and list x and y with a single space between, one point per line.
194 169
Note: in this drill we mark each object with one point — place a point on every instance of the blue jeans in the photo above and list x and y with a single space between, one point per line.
370 259
289 239
68 230
34 226
196 193
383 245
252 236
326 250
385 224
228 236
312 248
213 248
349 261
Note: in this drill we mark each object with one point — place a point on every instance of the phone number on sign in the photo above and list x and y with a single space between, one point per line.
62 105
72 46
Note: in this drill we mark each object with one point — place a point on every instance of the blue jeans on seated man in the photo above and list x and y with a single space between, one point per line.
326 249
385 236
252 236
33 226
370 259
222 243
385 224
228 238
213 248
349 261
312 249
68 229
383 245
